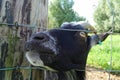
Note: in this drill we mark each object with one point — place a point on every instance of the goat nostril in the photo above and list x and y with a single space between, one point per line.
42 37
39 38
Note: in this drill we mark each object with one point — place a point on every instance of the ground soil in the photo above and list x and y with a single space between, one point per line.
98 74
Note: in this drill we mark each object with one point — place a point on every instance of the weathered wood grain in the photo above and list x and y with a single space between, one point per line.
31 12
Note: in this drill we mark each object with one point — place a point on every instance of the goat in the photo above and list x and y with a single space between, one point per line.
62 50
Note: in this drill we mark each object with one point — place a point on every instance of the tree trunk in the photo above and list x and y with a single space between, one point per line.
12 38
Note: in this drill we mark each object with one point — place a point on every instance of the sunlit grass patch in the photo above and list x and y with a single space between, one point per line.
100 55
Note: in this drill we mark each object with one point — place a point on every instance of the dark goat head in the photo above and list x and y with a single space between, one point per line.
62 50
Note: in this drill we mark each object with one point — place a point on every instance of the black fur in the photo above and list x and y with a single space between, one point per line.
72 50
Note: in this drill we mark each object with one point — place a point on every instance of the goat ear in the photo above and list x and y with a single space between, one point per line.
95 39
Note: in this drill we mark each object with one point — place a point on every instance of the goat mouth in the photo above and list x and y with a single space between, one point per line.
46 52
42 52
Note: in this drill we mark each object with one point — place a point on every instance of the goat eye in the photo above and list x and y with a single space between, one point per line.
82 34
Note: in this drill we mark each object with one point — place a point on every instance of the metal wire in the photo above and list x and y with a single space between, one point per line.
17 25
112 28
34 26
42 68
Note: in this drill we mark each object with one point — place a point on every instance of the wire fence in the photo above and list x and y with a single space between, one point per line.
42 68
16 25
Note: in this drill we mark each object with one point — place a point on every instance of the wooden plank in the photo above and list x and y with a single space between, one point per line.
33 12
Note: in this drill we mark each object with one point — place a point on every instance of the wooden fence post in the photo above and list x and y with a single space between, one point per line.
27 12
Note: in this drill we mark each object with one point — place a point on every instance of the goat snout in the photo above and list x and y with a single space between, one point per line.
41 37
37 40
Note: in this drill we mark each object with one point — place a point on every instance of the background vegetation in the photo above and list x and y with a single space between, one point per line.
103 15
100 55
61 11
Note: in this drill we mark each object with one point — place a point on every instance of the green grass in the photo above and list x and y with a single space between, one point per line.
100 55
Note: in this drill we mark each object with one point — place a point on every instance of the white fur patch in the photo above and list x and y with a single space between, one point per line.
34 58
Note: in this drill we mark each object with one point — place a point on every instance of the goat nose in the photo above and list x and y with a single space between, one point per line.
40 37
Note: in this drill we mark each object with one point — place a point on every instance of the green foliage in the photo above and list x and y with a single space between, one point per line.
104 13
100 55
61 11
